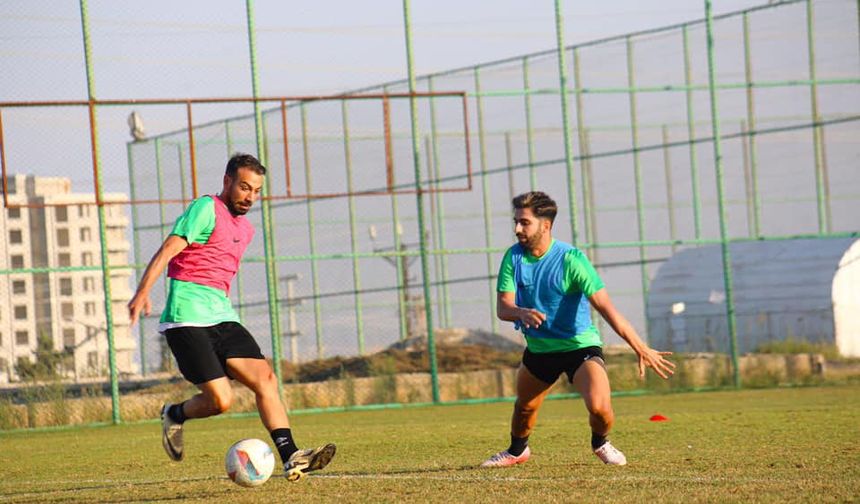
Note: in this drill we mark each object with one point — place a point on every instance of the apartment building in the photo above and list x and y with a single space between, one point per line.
61 230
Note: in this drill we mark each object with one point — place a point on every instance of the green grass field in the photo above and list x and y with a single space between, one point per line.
785 445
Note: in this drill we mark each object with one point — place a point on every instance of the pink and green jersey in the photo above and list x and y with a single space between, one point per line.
201 274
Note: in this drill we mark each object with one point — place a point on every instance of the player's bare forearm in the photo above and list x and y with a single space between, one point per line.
507 309
140 301
168 250
648 357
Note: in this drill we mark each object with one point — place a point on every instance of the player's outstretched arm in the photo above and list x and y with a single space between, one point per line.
507 309
648 357
140 302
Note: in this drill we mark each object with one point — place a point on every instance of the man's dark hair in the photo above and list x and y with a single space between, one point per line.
540 203
242 160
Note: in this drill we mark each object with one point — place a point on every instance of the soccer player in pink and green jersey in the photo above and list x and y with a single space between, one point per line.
211 347
545 287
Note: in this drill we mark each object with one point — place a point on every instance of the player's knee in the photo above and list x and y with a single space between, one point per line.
220 402
266 384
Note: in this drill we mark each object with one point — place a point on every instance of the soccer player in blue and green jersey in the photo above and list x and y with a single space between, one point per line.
545 287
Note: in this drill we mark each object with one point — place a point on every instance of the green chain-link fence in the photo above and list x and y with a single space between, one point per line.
389 211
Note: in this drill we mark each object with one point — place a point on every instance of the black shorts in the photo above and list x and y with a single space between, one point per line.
202 352
547 367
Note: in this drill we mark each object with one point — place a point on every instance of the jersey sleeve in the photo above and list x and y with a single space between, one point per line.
197 222
580 275
505 282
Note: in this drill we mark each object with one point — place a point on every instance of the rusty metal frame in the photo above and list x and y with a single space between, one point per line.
282 101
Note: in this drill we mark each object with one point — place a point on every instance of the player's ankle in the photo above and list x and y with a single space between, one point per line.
518 445
597 440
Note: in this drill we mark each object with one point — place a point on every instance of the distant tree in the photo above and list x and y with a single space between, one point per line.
48 361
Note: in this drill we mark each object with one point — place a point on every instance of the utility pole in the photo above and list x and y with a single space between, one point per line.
292 332
415 314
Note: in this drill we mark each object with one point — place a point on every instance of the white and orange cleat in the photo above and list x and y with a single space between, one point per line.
610 455
505 459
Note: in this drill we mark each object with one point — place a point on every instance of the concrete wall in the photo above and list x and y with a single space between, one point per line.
697 370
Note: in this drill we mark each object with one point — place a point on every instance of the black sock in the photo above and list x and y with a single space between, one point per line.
283 439
518 445
176 413
597 440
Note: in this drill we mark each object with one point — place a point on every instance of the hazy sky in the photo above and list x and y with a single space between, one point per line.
168 49
305 47
161 49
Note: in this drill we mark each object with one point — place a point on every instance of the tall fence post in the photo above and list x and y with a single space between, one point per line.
439 215
588 209
670 194
691 136
530 141
419 197
135 237
721 197
565 119
268 232
822 191
353 238
312 234
99 195
485 199
637 176
751 125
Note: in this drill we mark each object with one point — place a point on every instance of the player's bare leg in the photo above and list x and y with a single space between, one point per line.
531 393
215 397
257 375
592 382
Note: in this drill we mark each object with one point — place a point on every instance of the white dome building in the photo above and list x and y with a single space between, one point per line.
805 290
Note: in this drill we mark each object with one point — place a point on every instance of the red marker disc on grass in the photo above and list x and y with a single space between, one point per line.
658 418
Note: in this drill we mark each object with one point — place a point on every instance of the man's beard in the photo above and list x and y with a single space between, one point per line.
237 210
532 241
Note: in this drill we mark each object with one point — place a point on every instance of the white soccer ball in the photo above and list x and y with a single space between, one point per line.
250 462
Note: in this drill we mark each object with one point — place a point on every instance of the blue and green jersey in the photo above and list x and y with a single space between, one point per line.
557 284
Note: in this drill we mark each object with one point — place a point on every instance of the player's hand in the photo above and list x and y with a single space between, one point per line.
656 360
529 317
139 303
